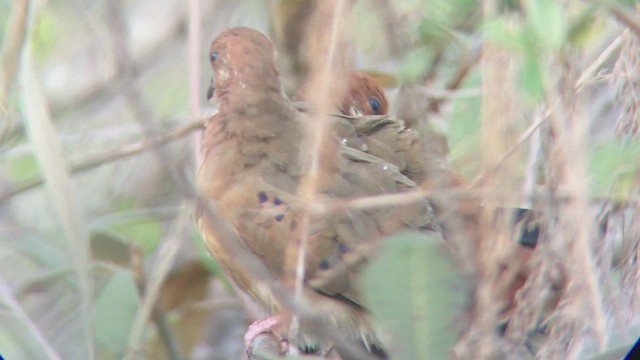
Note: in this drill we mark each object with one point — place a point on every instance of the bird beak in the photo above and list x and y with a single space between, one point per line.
210 90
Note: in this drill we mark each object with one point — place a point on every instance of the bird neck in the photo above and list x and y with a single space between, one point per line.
246 113
249 91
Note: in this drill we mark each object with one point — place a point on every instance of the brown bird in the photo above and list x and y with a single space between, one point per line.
364 96
251 170
457 218
385 137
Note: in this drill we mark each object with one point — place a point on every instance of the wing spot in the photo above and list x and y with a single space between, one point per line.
262 197
324 264
279 217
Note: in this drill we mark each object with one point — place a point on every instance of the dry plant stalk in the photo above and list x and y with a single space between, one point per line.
626 79
325 51
572 233
502 117
11 48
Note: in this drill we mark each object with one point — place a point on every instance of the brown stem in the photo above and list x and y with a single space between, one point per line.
113 155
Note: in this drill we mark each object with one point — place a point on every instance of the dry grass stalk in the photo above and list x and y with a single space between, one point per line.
11 47
325 52
62 190
572 232
501 120
626 79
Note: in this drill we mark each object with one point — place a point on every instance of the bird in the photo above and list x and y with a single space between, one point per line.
363 100
364 96
252 166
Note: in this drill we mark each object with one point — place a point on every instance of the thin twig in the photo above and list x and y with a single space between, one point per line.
193 57
12 45
157 312
121 152
456 80
521 140
579 85
317 131
161 267
597 63
145 117
624 16
313 316
8 300
10 58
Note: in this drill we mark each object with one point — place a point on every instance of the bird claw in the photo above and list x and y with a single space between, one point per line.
261 334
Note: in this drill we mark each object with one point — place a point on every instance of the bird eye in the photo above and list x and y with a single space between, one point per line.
213 56
375 104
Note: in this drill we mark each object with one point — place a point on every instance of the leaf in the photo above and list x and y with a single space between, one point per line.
47 33
115 309
531 80
144 231
108 246
547 21
21 168
414 64
614 164
586 28
62 190
412 291
505 33
465 131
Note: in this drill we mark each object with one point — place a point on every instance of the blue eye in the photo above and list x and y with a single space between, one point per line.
213 56
375 104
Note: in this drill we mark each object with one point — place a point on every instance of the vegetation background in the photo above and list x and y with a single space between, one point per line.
101 104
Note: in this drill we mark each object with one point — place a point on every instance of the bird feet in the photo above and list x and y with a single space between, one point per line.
262 335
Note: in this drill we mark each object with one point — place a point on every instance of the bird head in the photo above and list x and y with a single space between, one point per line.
242 58
365 96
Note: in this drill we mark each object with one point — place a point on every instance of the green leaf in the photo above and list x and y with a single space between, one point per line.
21 168
115 309
414 64
415 292
47 33
613 165
531 80
143 231
505 33
547 21
465 131
586 27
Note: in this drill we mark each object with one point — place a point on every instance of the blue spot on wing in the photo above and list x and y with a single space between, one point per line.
324 264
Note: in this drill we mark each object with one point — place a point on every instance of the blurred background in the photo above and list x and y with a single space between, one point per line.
101 105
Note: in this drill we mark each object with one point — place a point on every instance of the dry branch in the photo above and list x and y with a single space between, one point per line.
121 152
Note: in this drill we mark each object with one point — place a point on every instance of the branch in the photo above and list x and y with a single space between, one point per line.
121 152
157 312
624 16
13 42
10 59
